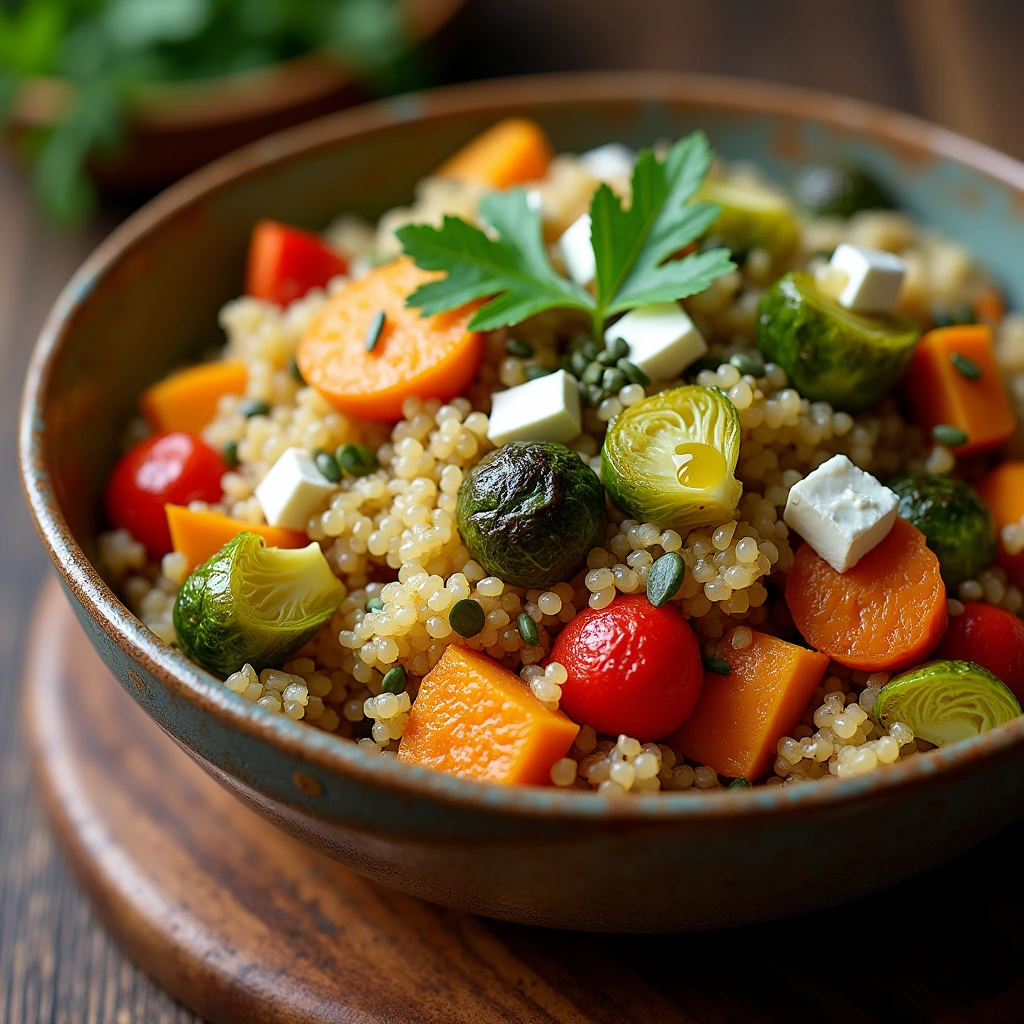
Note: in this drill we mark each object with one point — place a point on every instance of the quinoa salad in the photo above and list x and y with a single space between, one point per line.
626 471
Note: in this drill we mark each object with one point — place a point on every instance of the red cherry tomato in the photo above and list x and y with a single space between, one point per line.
285 262
173 468
992 638
633 668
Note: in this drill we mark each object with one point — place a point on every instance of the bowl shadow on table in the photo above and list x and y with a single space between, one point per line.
908 953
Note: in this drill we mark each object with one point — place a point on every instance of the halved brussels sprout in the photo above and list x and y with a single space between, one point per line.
946 701
671 458
955 521
250 603
830 353
752 217
530 512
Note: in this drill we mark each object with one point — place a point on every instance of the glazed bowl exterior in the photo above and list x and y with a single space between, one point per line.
147 300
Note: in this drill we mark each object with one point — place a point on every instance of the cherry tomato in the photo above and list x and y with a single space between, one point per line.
285 262
173 468
992 638
633 668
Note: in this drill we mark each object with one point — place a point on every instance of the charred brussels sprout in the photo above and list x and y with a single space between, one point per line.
830 353
751 217
946 701
530 512
954 520
250 603
832 190
671 459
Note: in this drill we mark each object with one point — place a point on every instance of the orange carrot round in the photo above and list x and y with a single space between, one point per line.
886 613
369 373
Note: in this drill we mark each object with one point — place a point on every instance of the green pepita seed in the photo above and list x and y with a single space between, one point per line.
373 332
394 680
578 363
536 372
595 395
375 604
665 577
967 368
747 364
356 459
619 348
704 363
467 617
230 454
253 407
950 436
717 665
590 348
328 466
593 373
607 357
633 372
528 630
293 369
515 347
740 783
613 379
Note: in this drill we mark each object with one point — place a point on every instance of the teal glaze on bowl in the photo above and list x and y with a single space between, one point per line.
147 300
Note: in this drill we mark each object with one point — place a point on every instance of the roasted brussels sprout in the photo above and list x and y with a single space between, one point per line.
530 512
250 603
830 353
752 217
946 701
671 458
954 520
834 190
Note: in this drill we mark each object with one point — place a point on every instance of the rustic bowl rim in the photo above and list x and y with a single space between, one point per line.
912 138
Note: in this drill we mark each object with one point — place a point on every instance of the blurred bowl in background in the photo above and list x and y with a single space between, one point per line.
177 127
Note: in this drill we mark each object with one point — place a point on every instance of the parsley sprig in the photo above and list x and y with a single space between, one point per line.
633 248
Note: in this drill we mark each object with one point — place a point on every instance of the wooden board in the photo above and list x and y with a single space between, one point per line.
243 923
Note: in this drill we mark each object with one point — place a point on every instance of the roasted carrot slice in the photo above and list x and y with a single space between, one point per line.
187 400
474 718
368 369
989 305
1003 491
200 535
508 153
741 717
886 613
285 262
953 378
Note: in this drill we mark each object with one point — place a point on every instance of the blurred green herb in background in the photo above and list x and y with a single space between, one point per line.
109 50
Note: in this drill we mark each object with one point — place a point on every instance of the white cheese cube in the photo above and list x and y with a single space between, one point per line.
841 511
610 162
873 278
293 490
545 409
662 339
577 252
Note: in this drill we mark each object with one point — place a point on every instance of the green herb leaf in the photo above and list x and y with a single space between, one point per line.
633 248
632 245
514 268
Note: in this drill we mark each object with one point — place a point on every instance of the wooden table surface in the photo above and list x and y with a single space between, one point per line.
954 61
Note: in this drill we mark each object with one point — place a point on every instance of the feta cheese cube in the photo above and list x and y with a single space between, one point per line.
577 252
873 278
841 511
545 409
609 162
662 339
293 490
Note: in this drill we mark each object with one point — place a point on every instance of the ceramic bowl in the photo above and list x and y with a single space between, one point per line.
176 127
147 299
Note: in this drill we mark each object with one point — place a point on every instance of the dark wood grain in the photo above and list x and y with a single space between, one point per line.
955 61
